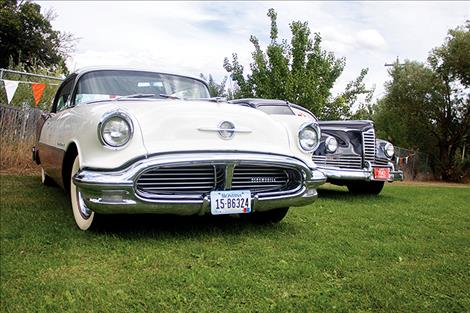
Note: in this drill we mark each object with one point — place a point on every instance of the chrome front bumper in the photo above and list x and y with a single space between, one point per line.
109 192
365 174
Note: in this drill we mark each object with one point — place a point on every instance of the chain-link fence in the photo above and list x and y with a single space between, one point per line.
414 164
19 115
18 135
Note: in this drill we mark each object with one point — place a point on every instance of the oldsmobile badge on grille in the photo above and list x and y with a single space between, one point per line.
263 179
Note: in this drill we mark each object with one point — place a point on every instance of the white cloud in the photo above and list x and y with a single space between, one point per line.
194 37
370 39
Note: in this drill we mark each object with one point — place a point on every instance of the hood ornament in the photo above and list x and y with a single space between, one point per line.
226 129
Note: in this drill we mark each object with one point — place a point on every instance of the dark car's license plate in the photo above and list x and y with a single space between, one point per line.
381 173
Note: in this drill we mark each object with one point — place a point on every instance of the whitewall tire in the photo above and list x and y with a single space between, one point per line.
83 216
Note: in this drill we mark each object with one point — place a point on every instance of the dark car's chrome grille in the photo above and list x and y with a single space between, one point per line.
342 161
261 178
201 180
381 161
368 145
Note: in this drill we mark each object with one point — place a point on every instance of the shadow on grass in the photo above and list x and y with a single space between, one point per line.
149 225
344 195
334 194
157 225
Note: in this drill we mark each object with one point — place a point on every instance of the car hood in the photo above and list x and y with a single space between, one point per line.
360 125
177 126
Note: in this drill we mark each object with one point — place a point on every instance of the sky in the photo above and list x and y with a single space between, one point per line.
194 37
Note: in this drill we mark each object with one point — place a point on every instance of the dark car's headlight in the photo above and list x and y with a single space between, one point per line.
309 137
389 150
331 144
115 129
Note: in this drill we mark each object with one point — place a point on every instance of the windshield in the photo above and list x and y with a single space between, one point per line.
276 109
111 84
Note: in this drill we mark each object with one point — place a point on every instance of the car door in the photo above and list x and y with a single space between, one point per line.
51 145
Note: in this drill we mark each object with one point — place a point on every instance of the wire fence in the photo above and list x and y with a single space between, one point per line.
24 94
19 118
18 135
414 164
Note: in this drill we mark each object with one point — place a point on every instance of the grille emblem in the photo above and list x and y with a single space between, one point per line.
263 179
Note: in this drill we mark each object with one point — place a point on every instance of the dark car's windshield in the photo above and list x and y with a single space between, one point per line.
111 84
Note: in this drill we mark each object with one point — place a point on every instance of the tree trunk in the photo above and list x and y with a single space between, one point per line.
445 166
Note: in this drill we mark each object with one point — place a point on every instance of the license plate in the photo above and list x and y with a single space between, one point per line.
230 202
381 173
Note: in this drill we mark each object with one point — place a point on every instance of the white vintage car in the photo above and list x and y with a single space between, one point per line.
133 141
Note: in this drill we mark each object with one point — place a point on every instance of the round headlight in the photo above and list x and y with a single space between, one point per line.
309 137
331 144
115 129
389 150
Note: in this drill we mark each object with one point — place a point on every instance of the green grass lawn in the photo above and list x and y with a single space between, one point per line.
406 250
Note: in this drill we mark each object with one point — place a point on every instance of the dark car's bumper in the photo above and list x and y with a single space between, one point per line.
115 192
364 174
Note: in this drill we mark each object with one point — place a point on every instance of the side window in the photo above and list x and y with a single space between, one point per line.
63 97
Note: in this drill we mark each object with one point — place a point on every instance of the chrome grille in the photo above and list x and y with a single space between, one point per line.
179 180
381 161
201 180
261 178
342 161
368 145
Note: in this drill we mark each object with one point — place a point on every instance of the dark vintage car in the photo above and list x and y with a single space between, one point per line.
349 154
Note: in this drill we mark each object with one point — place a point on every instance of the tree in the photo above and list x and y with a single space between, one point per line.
430 103
215 89
300 72
27 37
452 59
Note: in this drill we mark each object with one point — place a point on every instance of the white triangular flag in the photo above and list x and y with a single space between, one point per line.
10 87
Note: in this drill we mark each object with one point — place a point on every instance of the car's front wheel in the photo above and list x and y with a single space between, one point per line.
268 217
83 216
366 188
